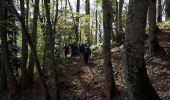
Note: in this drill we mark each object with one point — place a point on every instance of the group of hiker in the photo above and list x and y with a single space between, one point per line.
83 49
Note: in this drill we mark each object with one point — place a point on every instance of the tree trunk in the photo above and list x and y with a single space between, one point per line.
87 30
167 9
154 46
96 27
139 86
49 35
120 15
110 87
3 77
50 45
77 22
24 73
34 39
116 21
159 11
56 16
27 13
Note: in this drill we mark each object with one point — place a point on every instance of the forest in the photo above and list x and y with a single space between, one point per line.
85 50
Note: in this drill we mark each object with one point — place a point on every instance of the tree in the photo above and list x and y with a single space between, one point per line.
154 47
34 40
120 15
167 9
116 20
110 86
24 73
87 9
3 77
159 11
96 15
139 86
50 42
77 21
49 35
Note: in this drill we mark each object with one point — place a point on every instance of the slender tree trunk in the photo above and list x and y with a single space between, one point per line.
24 73
96 27
34 39
77 22
3 77
57 96
152 25
51 41
56 15
116 21
100 33
138 83
110 87
34 52
120 15
159 11
27 13
154 46
87 30
167 9
50 58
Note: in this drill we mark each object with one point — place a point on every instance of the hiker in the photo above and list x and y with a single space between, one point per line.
86 53
81 48
66 50
74 50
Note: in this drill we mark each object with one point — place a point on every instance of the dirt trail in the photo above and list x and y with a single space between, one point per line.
85 82
81 82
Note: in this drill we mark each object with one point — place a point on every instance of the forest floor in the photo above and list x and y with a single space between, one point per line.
78 81
85 82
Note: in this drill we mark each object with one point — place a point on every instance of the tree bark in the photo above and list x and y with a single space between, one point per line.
139 86
49 35
34 39
110 87
3 77
27 13
96 27
87 30
159 11
154 46
77 22
24 73
167 9
51 43
120 15
116 21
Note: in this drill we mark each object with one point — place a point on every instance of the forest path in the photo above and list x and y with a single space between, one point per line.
85 82
81 82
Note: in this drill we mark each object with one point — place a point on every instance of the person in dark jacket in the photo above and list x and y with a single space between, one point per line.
66 50
86 53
